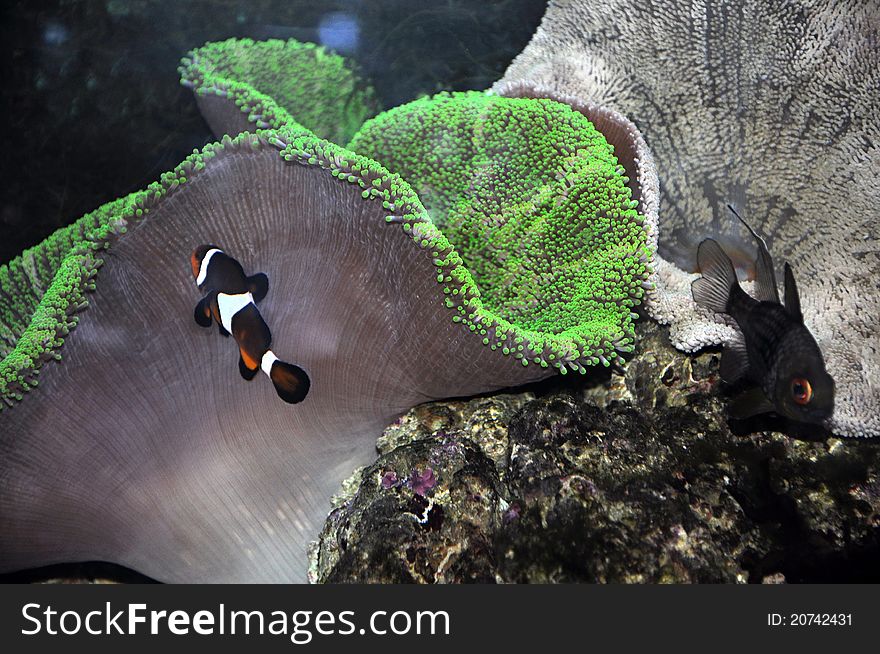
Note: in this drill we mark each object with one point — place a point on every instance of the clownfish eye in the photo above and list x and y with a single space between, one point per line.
801 390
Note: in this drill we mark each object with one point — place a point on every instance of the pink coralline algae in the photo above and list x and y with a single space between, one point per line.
422 482
389 480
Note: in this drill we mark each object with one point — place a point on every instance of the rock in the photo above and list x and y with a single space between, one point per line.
395 529
636 477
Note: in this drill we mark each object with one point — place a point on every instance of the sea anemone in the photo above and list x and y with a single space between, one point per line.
142 446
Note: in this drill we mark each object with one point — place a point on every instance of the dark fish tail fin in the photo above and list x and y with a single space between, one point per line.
714 288
291 382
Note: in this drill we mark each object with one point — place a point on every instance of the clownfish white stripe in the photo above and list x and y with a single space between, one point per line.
266 364
203 268
229 305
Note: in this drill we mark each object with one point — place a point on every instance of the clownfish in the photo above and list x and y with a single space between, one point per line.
231 301
778 355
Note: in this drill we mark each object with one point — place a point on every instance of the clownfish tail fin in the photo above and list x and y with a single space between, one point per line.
291 382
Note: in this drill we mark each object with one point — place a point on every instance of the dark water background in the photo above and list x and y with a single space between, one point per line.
91 106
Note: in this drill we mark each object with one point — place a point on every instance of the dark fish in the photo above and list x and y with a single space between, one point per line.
778 354
231 301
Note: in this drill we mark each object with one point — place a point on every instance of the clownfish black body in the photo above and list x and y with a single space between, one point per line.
231 300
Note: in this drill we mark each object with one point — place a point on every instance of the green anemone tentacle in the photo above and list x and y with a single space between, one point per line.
536 204
271 81
43 288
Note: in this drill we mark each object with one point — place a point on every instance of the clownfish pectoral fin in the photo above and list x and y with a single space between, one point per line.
246 373
752 402
202 313
258 285
291 382
222 330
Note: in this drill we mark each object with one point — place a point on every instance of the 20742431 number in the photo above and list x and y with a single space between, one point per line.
809 619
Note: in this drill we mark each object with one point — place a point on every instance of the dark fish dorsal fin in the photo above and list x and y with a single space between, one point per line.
765 280
766 289
792 299
713 289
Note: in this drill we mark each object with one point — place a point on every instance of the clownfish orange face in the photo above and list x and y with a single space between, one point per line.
196 263
197 257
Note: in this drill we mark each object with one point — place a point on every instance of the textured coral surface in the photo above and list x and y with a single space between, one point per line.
770 106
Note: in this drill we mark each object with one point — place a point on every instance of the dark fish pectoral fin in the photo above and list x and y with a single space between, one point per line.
792 298
246 373
291 382
222 330
713 289
752 402
202 313
258 285
734 362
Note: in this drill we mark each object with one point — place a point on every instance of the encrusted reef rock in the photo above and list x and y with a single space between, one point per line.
637 477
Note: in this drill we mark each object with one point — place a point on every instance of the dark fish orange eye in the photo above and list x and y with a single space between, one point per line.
195 263
801 391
